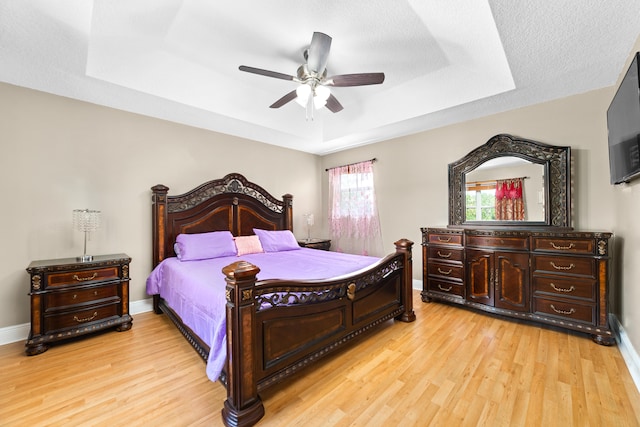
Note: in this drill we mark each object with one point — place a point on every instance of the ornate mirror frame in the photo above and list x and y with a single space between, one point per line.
557 183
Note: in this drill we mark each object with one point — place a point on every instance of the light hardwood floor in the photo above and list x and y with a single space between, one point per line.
451 367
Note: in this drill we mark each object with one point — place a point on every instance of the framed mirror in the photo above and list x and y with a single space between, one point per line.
511 182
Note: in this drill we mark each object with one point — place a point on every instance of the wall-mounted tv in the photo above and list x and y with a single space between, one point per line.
623 121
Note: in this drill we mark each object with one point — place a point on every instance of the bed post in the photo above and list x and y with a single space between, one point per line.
159 229
288 212
403 246
243 406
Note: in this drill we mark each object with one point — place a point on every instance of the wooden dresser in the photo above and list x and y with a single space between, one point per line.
71 298
560 278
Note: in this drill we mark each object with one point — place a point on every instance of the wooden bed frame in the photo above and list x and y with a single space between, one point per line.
262 346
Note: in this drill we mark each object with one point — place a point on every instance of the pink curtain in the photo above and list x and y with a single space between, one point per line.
353 213
509 200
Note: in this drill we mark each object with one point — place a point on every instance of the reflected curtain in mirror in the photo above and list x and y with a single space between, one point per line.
510 200
353 212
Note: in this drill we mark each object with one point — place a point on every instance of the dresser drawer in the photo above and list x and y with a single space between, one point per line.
446 254
566 309
446 271
566 245
521 243
78 318
82 276
574 287
445 239
56 300
442 286
564 265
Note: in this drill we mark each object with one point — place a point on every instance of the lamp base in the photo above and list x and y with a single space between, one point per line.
84 258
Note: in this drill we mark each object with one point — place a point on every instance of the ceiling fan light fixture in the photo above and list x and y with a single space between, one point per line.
302 94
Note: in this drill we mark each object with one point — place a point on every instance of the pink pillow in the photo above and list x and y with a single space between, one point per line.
248 245
216 244
278 240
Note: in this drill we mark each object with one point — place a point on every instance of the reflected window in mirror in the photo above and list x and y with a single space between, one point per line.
481 201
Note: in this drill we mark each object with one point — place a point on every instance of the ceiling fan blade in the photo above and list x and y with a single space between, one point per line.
361 79
287 98
333 104
318 52
266 73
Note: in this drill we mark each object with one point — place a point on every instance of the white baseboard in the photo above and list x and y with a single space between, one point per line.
16 333
629 354
416 284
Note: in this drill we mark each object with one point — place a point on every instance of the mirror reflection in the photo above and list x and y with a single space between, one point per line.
505 188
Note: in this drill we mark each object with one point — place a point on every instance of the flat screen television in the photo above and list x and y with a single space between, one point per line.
623 122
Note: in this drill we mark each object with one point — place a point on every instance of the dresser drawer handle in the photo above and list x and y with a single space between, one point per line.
571 289
442 239
445 289
84 279
573 310
85 319
564 248
562 267
446 273
441 255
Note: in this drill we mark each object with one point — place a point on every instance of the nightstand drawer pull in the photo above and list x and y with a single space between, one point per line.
564 248
445 289
84 279
446 273
573 310
85 319
441 255
562 267
571 289
443 240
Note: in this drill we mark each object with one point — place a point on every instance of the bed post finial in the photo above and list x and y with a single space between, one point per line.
403 246
243 406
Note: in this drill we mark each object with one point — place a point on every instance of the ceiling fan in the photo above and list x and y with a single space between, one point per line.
313 91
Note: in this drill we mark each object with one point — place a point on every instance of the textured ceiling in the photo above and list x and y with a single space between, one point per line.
445 61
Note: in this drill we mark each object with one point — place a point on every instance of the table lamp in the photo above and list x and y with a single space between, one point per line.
86 220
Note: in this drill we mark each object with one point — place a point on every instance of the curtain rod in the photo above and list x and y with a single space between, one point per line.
351 164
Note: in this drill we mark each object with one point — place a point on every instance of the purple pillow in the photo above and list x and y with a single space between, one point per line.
276 241
216 244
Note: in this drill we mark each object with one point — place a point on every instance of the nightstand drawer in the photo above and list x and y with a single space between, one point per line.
80 317
82 276
565 309
57 300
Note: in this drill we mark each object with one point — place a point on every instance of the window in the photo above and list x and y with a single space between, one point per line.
353 213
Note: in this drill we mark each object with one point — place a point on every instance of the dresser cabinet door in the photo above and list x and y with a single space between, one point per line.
512 281
480 276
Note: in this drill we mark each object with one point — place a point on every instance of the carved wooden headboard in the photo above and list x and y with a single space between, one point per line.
231 203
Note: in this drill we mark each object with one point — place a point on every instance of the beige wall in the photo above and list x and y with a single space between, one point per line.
59 154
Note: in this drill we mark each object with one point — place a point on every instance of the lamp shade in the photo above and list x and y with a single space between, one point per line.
86 220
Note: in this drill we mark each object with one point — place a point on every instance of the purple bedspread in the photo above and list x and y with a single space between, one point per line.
195 290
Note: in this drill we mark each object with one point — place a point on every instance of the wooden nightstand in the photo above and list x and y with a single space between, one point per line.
71 298
323 244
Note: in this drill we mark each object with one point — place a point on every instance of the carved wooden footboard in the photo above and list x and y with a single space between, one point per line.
263 347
